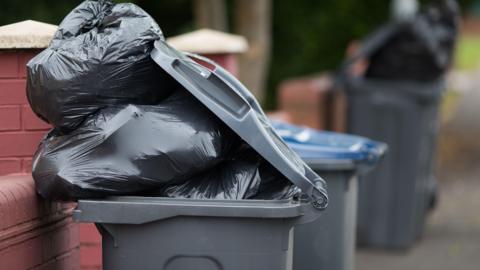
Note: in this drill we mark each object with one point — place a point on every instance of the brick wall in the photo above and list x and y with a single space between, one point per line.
313 102
34 233
20 133
20 129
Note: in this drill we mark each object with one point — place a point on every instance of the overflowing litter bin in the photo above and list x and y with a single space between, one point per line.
329 242
396 101
166 152
182 234
156 121
205 234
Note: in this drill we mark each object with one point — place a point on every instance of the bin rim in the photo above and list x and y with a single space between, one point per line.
430 91
141 210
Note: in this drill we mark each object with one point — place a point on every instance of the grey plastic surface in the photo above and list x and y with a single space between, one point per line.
334 164
181 234
230 101
329 242
394 198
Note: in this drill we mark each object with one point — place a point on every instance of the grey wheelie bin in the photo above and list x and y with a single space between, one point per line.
329 242
396 101
187 234
180 234
395 198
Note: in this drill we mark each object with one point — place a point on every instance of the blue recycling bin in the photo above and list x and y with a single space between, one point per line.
329 242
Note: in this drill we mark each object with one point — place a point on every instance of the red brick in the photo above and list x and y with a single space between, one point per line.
58 241
4 211
19 203
35 244
27 201
23 57
89 234
8 64
23 255
27 165
30 121
30 254
91 267
90 247
304 100
227 61
68 261
313 102
9 165
13 92
20 190
90 256
9 117
19 144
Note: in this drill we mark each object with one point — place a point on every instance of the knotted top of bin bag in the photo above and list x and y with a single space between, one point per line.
98 56
129 149
419 49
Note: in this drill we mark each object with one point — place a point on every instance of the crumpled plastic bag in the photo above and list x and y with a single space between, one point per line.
244 176
99 56
129 149
421 49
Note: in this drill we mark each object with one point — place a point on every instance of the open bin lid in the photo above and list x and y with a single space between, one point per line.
232 103
331 150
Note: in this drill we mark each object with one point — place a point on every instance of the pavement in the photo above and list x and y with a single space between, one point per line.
452 236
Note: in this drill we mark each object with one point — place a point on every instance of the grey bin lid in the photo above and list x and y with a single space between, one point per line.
141 210
232 103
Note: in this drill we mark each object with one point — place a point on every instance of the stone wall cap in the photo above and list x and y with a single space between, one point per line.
26 35
207 41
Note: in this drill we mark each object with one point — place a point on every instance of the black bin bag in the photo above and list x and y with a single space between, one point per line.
418 49
245 175
100 55
130 149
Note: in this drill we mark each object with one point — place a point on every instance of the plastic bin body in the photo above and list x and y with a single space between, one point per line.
174 234
329 242
394 198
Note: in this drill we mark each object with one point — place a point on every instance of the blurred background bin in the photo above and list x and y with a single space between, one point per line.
395 198
396 101
185 234
329 242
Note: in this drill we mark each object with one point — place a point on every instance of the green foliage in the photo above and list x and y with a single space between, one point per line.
50 11
311 36
174 17
467 56
308 36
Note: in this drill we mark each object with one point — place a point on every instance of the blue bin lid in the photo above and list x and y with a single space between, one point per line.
331 150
